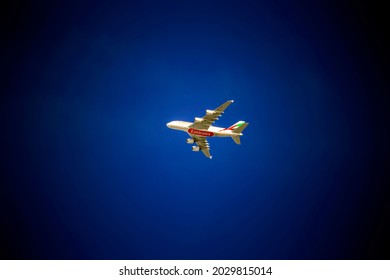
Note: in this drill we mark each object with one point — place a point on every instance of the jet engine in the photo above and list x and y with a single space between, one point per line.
210 112
199 119
190 141
195 149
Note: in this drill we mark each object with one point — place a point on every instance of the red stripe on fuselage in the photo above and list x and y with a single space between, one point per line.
200 132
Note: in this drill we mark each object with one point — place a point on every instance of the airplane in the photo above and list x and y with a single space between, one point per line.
202 128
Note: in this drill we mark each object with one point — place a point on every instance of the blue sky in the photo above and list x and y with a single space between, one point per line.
92 171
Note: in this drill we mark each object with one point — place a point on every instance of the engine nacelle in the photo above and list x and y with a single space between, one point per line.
210 112
190 141
199 119
195 149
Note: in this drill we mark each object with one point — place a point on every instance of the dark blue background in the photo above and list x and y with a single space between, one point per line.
89 169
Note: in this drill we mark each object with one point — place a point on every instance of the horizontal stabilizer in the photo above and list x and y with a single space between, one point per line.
236 139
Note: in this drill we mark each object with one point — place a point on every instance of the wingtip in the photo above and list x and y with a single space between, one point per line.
232 101
210 157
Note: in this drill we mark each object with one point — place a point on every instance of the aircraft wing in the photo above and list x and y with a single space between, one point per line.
203 145
211 116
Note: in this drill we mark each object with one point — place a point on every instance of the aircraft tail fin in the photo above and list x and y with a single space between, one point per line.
239 127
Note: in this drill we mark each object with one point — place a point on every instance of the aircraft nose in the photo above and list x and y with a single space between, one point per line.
169 125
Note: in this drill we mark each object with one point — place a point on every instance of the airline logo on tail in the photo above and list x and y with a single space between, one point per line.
235 126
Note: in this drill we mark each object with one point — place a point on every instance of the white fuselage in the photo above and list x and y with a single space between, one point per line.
212 131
